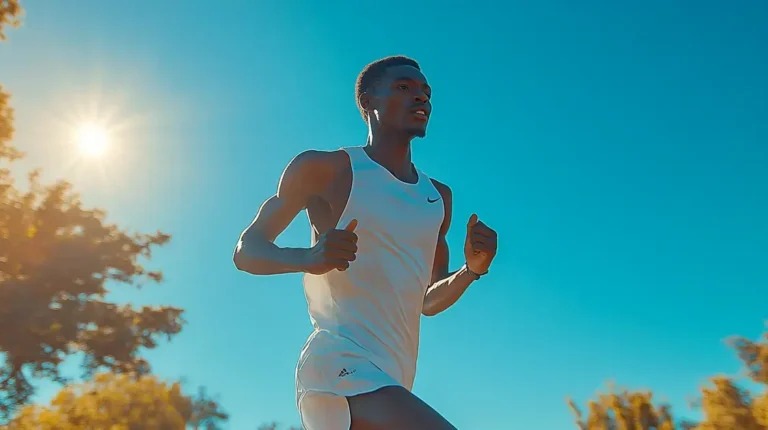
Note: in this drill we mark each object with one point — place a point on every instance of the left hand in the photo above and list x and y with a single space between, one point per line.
480 245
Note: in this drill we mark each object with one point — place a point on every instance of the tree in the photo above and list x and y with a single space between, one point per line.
725 405
10 12
624 410
7 151
754 355
206 412
120 402
57 261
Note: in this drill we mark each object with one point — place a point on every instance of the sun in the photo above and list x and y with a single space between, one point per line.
92 139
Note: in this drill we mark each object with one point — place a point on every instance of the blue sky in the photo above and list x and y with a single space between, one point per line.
618 149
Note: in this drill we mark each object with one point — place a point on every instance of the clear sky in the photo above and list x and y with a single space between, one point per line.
618 148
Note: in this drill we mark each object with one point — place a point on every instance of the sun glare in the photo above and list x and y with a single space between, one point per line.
92 140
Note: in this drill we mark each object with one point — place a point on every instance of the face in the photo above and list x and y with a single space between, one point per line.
400 101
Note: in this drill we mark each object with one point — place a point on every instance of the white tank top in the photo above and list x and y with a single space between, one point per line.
377 302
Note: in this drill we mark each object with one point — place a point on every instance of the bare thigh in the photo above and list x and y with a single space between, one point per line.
394 407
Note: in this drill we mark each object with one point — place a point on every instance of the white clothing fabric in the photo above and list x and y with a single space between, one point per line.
366 319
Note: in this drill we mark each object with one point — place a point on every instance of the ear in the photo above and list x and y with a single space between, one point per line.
365 101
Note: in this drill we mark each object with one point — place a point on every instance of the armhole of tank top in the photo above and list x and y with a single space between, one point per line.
434 188
351 186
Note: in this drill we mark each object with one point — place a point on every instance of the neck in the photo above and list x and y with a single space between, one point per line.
392 151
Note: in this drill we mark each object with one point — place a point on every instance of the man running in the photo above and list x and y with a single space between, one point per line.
379 259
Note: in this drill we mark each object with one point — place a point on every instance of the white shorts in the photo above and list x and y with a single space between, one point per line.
332 368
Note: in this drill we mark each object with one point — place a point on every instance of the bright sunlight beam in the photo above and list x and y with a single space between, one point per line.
92 139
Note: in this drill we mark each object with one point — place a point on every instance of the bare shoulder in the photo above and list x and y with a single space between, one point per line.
323 161
314 169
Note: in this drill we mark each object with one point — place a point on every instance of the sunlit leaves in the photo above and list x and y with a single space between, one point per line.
58 260
10 14
113 401
623 410
7 151
724 404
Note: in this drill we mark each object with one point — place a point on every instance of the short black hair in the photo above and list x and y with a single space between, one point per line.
374 71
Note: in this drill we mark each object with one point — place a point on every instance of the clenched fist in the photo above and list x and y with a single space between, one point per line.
335 249
479 246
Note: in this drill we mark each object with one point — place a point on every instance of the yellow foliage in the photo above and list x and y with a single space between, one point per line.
725 405
7 151
117 402
10 12
623 410
760 410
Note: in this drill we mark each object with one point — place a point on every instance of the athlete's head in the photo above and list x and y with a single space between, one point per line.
393 94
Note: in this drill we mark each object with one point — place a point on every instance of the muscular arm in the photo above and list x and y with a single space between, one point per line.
256 252
447 287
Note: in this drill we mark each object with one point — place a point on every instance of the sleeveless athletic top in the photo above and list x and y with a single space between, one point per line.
377 302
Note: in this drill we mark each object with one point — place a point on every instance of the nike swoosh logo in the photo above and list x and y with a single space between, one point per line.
432 201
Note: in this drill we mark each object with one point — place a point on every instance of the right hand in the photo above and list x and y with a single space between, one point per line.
335 249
